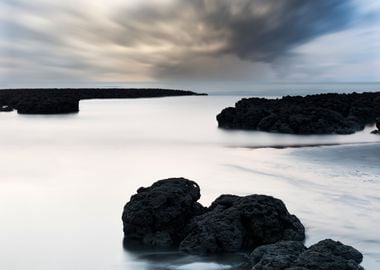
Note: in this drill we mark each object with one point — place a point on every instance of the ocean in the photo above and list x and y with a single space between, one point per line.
65 179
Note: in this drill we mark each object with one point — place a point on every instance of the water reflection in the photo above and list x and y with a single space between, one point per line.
154 259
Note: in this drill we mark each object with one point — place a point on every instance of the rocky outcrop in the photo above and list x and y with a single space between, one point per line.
58 101
156 216
167 214
293 255
234 223
278 256
314 114
378 127
47 105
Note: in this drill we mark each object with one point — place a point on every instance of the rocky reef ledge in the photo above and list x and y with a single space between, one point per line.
167 215
59 101
313 114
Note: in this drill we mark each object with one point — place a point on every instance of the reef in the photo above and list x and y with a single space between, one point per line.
61 101
312 114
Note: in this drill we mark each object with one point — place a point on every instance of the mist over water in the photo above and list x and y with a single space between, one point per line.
65 179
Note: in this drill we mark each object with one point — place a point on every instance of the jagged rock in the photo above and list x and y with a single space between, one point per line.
292 255
313 114
234 223
329 254
157 215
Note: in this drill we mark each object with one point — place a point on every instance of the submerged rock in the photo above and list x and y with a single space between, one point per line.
234 223
292 255
156 216
313 114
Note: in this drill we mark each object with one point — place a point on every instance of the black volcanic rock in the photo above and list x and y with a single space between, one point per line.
47 105
167 215
234 223
293 255
56 101
278 256
156 216
313 114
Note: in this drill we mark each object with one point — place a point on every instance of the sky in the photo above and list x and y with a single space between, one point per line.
200 40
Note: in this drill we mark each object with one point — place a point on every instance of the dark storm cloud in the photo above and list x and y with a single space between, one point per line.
164 39
280 26
259 30
252 30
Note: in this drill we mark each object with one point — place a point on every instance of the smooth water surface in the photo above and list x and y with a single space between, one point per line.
65 179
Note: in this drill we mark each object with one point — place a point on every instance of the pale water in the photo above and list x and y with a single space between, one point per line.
65 179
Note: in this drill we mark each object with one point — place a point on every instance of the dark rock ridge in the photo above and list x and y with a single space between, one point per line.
58 101
313 114
167 215
293 255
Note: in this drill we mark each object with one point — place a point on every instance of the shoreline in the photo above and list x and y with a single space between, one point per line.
311 145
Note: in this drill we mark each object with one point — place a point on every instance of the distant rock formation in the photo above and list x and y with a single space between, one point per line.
313 114
47 105
59 101
167 214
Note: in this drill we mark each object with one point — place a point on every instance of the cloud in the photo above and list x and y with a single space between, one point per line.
171 39
258 31
263 30
349 55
